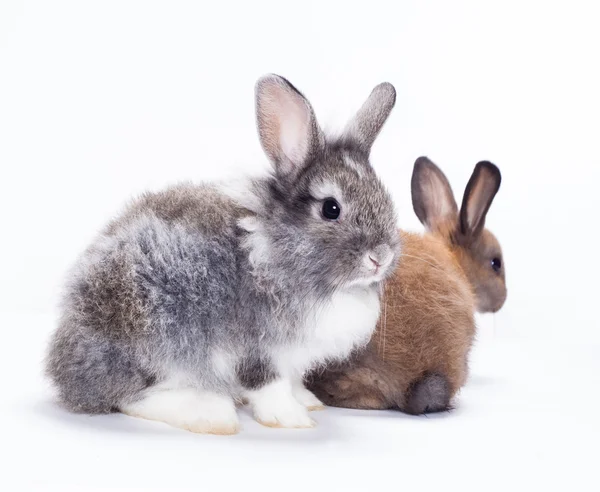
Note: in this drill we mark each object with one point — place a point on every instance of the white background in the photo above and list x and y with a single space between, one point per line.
102 100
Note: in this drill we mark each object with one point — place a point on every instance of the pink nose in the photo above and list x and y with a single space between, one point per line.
375 262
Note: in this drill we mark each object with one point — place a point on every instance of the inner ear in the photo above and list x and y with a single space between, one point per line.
287 126
479 194
432 197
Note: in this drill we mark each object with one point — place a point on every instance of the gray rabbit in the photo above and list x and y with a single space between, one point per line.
202 296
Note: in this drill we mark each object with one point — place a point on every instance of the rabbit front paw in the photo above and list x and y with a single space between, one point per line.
274 405
307 398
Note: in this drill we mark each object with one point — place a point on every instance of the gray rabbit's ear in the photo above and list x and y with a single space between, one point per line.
287 126
368 121
432 197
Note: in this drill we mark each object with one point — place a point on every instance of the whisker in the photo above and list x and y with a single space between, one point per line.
437 267
422 259
384 324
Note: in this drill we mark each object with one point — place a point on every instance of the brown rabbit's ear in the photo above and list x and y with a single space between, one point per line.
479 193
432 197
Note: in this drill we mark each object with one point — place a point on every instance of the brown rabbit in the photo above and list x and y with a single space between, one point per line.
417 359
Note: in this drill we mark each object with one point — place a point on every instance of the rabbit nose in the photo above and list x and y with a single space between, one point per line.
374 261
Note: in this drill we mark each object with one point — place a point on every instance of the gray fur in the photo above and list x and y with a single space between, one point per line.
430 393
172 283
367 124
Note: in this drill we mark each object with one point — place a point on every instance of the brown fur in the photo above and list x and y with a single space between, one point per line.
426 325
418 358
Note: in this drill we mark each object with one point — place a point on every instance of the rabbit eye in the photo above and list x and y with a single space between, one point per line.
331 209
496 264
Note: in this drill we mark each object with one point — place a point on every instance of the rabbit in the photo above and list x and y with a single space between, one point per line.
417 359
200 297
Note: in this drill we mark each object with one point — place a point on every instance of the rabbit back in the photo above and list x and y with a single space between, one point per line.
429 307
151 297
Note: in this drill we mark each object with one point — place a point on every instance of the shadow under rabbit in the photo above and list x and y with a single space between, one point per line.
113 422
118 423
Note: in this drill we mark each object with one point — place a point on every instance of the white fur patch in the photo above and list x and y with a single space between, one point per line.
240 191
177 379
332 331
355 166
274 405
305 397
223 363
256 243
326 189
187 408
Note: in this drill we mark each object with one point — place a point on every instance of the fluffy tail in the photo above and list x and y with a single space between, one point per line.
430 393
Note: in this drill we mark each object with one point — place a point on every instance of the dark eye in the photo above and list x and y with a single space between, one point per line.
331 209
496 264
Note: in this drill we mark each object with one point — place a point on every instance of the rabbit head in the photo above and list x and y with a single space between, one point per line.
476 249
324 215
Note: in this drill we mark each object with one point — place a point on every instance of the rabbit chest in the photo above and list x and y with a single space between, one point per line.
333 330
